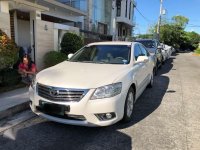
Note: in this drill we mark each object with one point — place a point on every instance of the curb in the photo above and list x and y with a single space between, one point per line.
14 110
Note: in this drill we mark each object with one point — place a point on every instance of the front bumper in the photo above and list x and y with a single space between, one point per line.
85 107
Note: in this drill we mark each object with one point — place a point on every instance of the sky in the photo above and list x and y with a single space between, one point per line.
150 10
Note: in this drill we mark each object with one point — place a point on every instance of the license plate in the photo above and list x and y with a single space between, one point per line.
51 108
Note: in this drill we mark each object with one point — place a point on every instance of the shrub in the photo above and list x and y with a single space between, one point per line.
71 43
197 51
8 51
54 57
9 77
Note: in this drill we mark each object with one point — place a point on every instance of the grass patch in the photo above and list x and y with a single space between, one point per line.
197 51
10 88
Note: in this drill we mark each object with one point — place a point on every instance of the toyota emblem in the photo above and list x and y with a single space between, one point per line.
54 92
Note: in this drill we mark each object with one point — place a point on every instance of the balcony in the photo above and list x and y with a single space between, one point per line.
125 20
125 12
60 6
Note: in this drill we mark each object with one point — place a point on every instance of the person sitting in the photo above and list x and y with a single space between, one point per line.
27 69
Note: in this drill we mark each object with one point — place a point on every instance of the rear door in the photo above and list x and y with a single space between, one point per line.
148 66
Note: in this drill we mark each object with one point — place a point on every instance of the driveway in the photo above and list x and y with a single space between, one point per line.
166 117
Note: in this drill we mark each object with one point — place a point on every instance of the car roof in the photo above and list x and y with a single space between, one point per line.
112 43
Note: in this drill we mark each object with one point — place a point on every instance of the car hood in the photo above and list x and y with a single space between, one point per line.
80 75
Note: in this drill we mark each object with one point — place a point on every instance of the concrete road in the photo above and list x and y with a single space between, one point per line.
166 117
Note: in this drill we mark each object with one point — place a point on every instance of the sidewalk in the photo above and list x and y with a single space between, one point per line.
13 102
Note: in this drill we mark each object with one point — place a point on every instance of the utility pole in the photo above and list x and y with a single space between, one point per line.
159 19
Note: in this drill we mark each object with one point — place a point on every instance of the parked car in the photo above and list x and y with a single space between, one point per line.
154 49
97 86
165 52
169 49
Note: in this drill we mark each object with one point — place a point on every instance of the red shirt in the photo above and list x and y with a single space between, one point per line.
22 66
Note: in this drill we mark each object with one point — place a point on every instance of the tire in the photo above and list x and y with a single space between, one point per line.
150 85
129 104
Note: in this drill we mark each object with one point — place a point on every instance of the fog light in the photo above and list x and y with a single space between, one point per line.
108 116
105 116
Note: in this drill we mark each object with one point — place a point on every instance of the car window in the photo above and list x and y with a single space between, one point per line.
108 54
144 51
137 51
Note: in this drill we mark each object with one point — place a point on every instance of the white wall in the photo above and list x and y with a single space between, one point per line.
44 40
4 6
4 17
5 22
23 28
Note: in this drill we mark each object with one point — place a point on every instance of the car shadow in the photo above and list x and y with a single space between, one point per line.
151 98
46 135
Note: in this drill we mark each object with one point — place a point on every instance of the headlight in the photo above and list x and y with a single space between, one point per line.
107 91
33 82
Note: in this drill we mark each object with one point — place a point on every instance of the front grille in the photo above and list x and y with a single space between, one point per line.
60 94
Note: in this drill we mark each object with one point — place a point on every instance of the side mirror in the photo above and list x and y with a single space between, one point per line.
70 55
142 59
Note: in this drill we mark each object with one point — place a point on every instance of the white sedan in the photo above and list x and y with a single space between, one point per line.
97 86
169 50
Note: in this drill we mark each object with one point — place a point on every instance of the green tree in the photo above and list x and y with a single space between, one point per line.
180 21
172 35
145 36
192 40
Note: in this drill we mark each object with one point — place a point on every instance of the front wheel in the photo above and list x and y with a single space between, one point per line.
128 107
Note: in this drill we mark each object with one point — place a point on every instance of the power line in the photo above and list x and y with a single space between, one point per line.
145 18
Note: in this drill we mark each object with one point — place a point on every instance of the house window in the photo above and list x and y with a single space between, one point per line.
78 24
102 28
118 4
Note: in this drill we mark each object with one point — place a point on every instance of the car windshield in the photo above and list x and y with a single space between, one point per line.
148 44
106 54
